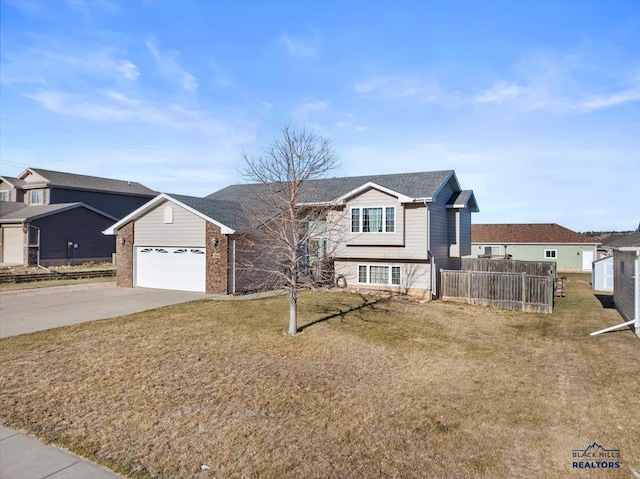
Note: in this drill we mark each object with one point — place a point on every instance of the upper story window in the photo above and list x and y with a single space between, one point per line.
4 196
36 197
373 220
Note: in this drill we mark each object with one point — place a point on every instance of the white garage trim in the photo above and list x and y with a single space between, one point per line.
180 268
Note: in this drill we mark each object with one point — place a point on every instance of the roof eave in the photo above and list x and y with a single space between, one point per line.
370 184
224 229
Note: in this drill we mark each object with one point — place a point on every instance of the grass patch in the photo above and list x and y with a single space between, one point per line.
373 387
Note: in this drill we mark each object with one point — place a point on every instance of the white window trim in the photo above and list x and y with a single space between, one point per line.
31 192
555 254
368 279
494 251
361 220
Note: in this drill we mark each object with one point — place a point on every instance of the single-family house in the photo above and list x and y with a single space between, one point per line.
534 242
36 186
51 217
396 232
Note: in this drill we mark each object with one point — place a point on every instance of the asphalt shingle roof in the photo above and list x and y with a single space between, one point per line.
414 185
631 240
526 233
17 182
84 182
229 213
13 212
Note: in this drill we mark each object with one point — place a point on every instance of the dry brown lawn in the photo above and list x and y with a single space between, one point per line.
373 387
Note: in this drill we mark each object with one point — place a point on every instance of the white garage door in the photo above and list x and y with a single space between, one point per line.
12 245
183 269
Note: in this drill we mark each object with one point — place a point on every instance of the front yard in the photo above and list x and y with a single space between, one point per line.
373 387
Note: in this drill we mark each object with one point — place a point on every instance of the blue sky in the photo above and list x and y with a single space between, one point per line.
535 105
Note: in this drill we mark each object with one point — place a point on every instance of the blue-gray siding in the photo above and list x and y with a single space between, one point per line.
117 205
79 225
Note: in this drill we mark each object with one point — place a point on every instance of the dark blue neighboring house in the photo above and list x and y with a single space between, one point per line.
53 218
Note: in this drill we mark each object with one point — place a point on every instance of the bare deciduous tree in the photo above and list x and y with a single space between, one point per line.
289 224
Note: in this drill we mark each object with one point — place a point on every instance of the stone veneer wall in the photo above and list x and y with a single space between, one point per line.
217 261
124 256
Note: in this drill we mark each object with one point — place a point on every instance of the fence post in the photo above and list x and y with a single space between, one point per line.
469 278
524 291
551 293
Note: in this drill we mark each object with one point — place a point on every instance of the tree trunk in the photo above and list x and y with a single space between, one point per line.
293 312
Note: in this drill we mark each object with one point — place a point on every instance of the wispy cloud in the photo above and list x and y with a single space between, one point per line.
55 64
606 101
310 106
298 46
409 87
79 107
500 92
168 65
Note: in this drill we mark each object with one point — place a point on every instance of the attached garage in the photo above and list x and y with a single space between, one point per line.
179 268
12 245
173 242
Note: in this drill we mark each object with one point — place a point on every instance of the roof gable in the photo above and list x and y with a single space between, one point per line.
526 233
463 199
14 182
224 214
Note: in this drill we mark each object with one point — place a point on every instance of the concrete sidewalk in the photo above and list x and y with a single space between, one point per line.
24 457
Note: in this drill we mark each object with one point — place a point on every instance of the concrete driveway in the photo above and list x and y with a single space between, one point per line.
27 311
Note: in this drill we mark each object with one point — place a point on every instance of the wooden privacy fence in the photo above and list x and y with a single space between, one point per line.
519 291
534 268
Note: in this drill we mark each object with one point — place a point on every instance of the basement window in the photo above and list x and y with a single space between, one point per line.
376 274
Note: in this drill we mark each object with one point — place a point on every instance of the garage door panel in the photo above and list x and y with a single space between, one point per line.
177 268
12 245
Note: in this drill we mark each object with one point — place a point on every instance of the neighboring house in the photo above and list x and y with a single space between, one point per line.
57 195
604 248
602 274
534 242
46 235
397 232
35 186
626 285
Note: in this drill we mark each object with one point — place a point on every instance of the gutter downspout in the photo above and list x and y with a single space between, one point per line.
636 304
37 257
233 266
432 260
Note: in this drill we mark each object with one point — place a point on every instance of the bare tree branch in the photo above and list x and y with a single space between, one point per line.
278 251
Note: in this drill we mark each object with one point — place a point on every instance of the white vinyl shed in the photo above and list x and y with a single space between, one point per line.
602 274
